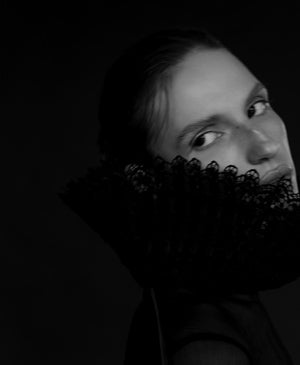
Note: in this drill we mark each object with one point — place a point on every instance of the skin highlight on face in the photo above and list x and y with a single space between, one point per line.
218 110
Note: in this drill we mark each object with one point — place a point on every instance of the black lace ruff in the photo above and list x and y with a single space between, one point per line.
177 225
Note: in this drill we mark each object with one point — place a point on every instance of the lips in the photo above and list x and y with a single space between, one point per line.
281 171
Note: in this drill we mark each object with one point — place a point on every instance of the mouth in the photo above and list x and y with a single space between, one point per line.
280 172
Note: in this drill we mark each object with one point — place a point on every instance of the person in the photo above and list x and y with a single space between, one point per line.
181 92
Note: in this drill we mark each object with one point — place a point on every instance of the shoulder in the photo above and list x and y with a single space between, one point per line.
210 352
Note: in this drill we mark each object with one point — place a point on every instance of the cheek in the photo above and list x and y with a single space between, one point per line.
225 154
274 128
284 138
164 148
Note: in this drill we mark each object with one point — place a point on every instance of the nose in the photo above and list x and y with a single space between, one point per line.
261 147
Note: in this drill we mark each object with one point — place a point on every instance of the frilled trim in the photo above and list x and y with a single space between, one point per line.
178 225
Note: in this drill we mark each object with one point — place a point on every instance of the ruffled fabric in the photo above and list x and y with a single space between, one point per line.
187 228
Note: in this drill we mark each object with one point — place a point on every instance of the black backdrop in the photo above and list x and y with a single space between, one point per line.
64 296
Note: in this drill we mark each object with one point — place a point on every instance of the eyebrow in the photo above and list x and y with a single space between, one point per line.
215 117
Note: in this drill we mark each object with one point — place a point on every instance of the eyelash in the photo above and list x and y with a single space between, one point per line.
267 106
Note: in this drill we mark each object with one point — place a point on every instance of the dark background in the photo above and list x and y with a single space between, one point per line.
65 297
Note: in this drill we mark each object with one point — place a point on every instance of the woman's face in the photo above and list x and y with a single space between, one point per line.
218 110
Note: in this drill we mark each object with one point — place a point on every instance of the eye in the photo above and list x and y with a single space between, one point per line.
205 139
258 108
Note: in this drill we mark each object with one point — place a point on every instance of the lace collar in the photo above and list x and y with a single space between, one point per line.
179 225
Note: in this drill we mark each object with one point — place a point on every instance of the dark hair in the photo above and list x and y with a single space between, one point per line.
134 105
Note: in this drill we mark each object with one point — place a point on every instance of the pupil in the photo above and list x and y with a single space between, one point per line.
251 112
198 138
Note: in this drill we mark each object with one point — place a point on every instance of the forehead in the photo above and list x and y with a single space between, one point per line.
208 81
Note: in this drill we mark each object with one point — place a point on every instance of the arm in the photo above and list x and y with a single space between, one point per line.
249 314
210 353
